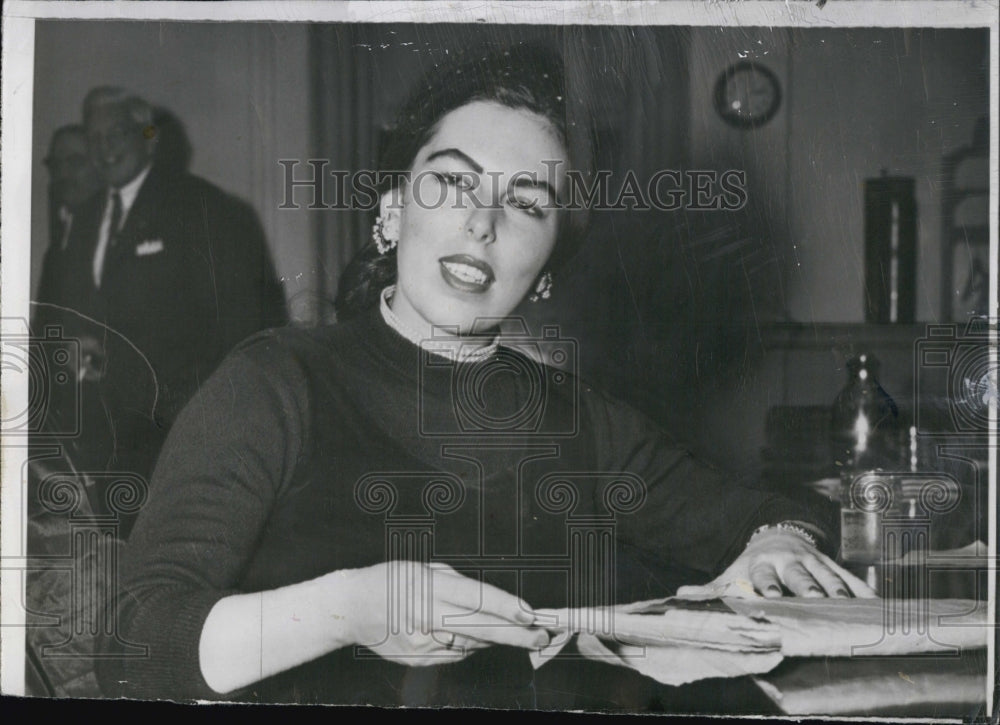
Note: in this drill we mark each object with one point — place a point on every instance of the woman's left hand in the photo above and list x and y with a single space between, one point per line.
776 561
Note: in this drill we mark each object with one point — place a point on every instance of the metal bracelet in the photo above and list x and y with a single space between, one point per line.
785 526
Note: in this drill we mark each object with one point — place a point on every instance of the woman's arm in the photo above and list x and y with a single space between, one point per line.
231 454
248 637
690 516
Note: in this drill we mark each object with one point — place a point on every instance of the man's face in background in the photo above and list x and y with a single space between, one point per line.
118 144
72 175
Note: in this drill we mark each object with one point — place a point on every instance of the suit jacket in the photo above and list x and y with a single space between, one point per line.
188 277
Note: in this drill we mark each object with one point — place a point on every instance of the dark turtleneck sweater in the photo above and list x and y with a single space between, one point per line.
315 450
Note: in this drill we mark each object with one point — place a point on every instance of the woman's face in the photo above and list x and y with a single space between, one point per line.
479 217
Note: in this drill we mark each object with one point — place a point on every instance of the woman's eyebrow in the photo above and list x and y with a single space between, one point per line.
531 182
458 155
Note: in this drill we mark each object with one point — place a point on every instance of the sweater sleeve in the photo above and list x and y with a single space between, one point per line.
691 517
218 475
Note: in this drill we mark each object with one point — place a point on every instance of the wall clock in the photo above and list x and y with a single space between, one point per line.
747 95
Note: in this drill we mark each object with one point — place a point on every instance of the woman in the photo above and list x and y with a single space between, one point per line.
340 507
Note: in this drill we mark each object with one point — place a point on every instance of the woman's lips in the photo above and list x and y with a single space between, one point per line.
466 274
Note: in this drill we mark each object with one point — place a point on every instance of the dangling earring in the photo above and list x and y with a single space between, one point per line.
543 288
385 233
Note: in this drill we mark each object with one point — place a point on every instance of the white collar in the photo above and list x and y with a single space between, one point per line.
131 190
453 348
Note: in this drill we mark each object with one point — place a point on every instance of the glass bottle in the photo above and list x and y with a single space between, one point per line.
863 431
863 420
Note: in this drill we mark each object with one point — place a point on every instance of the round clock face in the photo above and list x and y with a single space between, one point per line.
747 95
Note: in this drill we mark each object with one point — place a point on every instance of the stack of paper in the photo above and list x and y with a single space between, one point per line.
673 641
676 641
866 627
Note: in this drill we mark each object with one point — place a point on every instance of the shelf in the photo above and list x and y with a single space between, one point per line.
840 335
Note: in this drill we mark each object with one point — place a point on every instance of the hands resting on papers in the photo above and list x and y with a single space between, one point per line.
435 614
777 562
469 615
465 615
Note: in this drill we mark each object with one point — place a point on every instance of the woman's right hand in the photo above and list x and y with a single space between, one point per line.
426 614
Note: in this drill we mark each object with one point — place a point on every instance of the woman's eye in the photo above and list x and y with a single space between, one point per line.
528 206
461 181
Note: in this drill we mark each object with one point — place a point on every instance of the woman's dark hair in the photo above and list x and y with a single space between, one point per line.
521 77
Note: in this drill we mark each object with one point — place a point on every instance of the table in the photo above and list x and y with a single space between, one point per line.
949 682
924 687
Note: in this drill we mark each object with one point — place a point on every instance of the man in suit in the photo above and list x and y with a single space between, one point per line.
162 274
72 180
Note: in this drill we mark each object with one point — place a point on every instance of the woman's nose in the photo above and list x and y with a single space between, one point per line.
481 224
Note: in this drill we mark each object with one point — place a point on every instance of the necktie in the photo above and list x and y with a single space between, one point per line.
116 217
108 242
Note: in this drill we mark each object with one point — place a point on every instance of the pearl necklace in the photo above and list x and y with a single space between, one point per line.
454 349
